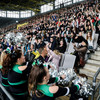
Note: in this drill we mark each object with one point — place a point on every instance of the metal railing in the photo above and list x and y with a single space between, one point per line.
94 86
6 92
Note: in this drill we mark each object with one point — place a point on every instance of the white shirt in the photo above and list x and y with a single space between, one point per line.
90 42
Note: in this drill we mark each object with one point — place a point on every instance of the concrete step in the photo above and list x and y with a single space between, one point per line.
97 53
91 68
90 80
93 62
95 57
98 49
89 73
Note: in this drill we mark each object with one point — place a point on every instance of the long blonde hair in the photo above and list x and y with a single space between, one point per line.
57 52
3 55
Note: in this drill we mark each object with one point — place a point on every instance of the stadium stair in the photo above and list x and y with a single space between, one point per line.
92 65
89 69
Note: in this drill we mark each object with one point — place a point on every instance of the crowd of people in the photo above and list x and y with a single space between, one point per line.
48 37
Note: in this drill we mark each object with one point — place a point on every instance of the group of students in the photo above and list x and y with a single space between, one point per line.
21 80
23 77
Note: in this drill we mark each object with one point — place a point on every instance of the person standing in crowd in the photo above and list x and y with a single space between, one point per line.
39 79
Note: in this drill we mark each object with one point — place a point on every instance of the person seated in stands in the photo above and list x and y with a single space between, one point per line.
98 32
72 38
40 90
68 32
89 24
58 38
5 44
4 74
82 30
43 53
17 74
62 30
98 8
47 37
65 38
40 42
1 48
36 44
54 57
33 39
80 53
90 39
3 70
52 44
62 47
79 38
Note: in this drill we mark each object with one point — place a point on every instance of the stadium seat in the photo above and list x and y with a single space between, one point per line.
95 41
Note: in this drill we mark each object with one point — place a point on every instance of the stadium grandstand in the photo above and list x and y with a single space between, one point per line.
50 50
